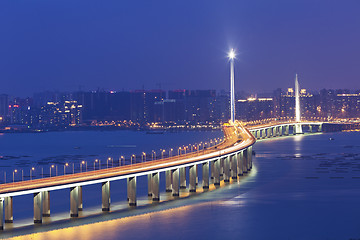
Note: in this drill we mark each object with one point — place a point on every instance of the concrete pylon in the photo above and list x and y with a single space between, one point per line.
175 182
298 128
38 207
131 191
46 204
74 201
105 196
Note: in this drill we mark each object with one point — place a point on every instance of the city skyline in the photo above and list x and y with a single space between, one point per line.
315 39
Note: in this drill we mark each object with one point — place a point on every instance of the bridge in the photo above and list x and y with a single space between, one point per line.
229 159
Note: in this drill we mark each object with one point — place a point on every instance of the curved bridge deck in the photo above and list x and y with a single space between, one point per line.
231 158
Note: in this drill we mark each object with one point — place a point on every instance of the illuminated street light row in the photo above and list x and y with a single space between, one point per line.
83 167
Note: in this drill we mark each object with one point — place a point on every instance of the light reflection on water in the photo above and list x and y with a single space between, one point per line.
110 229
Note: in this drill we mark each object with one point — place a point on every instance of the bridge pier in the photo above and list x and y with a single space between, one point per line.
310 128
175 182
281 131
182 177
8 205
155 187
192 178
298 128
233 161
38 205
263 134
320 128
245 160
74 201
131 191
197 175
287 130
212 169
249 158
268 132
80 206
240 163
105 196
217 172
149 185
274 131
205 175
168 181
221 168
46 204
1 214
226 162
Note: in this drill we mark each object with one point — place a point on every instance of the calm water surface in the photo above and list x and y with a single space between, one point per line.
302 187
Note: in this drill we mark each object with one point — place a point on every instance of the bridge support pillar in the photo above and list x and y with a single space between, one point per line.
105 196
310 128
155 187
227 169
320 128
38 205
149 185
221 167
281 131
245 161
263 134
233 160
197 175
175 182
287 130
298 128
183 177
212 169
168 180
8 205
249 158
205 175
80 207
217 172
1 214
131 191
74 201
46 204
274 131
192 178
239 158
268 132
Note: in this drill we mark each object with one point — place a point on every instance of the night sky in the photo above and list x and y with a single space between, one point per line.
65 45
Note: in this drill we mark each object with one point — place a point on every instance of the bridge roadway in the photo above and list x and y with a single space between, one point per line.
237 140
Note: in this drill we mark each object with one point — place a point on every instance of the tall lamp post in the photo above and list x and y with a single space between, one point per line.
232 84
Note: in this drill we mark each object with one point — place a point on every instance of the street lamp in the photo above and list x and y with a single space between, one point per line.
131 159
95 163
179 151
15 171
107 162
232 56
143 156
162 154
122 157
52 166
153 155
82 163
66 165
170 152
32 169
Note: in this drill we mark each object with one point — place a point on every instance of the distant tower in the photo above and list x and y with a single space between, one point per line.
232 84
298 128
